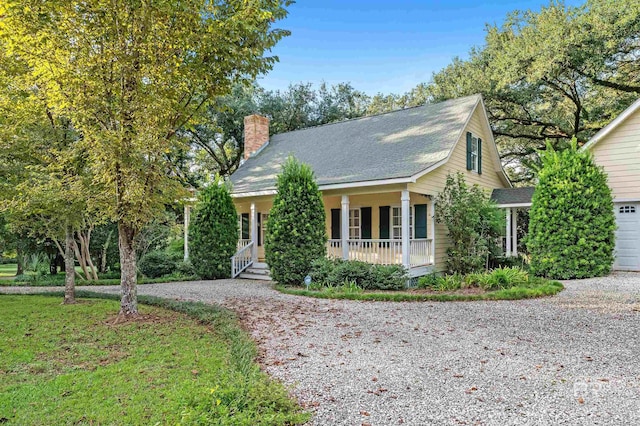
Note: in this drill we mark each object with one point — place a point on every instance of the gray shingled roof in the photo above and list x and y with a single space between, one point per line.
398 144
503 196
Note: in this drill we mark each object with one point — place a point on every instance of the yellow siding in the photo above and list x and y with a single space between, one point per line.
433 183
619 154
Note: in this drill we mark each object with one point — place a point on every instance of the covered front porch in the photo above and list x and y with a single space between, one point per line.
386 228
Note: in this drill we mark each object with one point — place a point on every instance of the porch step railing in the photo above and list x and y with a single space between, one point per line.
241 260
242 244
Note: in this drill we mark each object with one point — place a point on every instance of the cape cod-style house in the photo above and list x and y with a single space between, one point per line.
378 175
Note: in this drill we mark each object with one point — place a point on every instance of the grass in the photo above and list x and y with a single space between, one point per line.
183 363
547 288
8 270
58 281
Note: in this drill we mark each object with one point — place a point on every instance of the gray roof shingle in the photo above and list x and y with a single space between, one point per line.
397 144
503 196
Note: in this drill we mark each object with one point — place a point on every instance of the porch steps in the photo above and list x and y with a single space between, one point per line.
257 271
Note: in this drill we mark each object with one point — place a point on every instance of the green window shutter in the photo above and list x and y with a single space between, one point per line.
245 226
469 162
384 222
365 223
335 224
421 220
259 228
479 156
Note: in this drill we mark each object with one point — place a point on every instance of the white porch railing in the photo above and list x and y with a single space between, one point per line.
383 252
241 260
242 244
420 252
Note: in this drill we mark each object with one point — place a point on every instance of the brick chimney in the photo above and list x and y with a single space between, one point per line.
256 133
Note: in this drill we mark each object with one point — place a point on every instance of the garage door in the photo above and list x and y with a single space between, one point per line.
627 237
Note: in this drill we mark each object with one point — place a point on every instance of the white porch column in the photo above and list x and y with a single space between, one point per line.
254 232
344 228
432 230
187 221
508 236
406 250
514 232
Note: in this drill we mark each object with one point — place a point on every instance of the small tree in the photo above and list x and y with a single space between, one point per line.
571 230
296 228
473 222
214 232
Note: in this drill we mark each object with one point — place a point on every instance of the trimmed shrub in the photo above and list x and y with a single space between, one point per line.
156 264
296 228
332 272
213 232
388 277
571 230
474 225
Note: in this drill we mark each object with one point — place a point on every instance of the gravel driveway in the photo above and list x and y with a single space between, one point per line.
572 359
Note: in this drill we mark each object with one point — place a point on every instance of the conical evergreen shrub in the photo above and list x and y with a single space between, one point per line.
572 222
296 233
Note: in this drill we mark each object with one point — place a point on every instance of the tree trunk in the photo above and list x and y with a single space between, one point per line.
128 274
20 261
105 248
81 261
69 268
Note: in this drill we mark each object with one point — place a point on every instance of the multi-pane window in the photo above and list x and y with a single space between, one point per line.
627 209
474 153
354 224
396 223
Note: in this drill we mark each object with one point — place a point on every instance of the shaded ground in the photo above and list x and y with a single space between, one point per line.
570 359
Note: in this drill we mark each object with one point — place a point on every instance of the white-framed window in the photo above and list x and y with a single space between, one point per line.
627 209
396 222
355 223
474 153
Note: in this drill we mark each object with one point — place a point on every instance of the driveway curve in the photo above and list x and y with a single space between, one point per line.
572 359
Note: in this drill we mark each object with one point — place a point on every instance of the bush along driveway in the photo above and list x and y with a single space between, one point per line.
569 359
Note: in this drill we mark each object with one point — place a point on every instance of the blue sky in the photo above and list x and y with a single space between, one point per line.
381 46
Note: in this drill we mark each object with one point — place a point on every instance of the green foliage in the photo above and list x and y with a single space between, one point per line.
571 231
213 232
202 369
498 279
157 263
473 223
536 287
296 228
434 282
329 272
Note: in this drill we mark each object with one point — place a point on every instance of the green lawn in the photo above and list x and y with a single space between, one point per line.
8 270
72 365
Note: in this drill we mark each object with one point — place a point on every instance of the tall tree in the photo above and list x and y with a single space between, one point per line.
129 75
551 75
